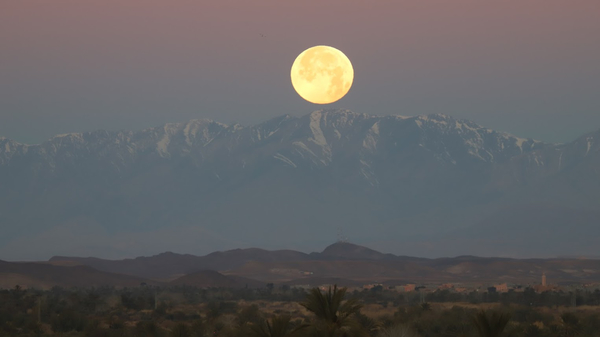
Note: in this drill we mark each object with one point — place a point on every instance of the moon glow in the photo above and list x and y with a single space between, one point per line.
322 74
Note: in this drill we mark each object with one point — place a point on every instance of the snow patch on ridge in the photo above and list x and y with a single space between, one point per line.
367 172
370 142
162 146
589 145
315 127
375 128
305 148
188 130
560 161
284 159
519 142
73 135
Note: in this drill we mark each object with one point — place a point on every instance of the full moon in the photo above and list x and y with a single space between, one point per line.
322 74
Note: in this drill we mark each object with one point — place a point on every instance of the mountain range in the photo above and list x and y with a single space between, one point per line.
341 263
422 186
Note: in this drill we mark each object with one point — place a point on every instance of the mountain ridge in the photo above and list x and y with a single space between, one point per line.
355 269
393 181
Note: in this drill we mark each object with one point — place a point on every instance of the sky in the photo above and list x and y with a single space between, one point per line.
531 68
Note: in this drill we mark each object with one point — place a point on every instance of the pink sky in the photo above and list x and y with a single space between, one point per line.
527 67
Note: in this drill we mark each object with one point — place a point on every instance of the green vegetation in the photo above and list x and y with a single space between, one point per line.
490 324
333 315
293 312
280 326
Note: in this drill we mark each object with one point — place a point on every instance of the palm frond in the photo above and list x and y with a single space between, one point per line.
351 306
279 326
333 313
490 324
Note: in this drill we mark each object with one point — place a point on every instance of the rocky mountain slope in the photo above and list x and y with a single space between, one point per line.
408 185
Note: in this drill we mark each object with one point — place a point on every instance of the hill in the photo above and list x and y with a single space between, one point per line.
351 264
167 266
346 250
45 276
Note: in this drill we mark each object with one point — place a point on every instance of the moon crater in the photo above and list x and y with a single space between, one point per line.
322 74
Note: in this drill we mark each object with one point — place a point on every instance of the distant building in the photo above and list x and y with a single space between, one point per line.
540 288
409 287
501 288
446 286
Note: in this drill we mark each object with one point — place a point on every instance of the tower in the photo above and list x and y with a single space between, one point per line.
543 279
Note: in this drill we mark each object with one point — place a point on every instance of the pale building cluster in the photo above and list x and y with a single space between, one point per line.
456 287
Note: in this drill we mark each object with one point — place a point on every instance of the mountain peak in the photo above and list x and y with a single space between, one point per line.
334 114
346 250
437 116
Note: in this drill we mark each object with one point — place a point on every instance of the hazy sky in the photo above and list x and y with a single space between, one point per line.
531 67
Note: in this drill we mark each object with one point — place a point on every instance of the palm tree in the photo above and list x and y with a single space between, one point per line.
570 324
278 327
334 316
490 324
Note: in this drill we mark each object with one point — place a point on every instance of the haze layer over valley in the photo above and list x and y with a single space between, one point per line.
422 186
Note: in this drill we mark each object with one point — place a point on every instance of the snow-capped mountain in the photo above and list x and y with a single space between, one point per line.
392 181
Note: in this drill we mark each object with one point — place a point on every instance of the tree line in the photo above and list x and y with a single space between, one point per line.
334 312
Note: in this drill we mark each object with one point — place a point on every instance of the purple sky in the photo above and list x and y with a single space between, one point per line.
531 68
